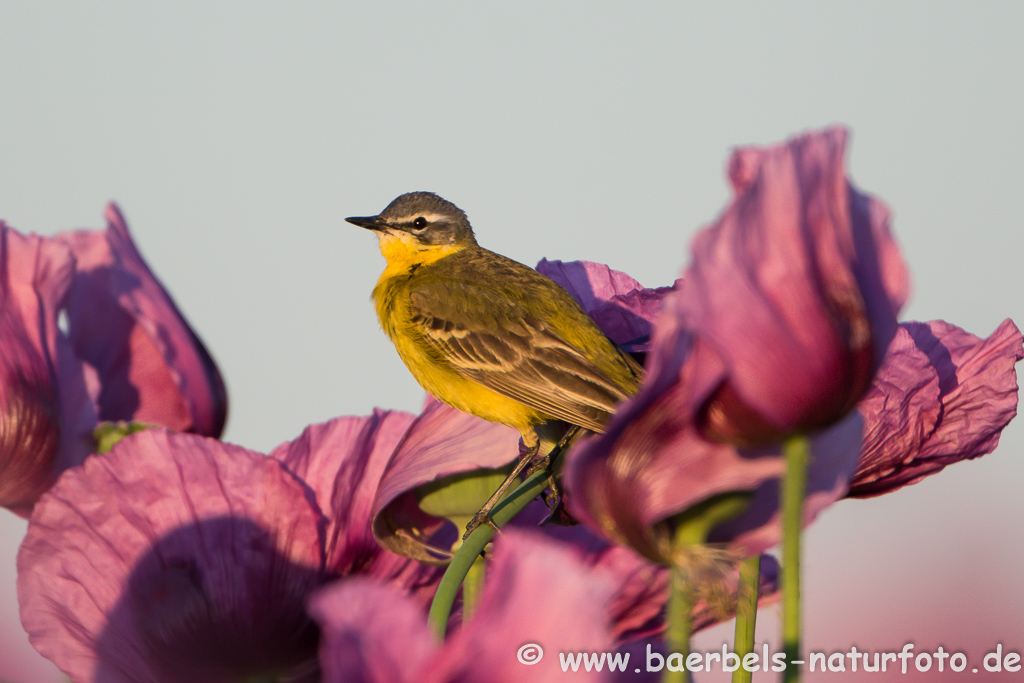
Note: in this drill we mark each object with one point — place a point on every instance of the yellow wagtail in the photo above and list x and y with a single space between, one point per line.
490 336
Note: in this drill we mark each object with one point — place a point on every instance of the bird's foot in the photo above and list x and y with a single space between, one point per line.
482 517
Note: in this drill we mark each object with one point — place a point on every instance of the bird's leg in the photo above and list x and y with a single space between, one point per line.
484 515
553 496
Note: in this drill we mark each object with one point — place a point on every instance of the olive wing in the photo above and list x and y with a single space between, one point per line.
504 343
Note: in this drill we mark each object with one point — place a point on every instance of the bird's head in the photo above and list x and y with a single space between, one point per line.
419 222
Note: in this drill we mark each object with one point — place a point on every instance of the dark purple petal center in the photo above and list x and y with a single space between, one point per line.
220 616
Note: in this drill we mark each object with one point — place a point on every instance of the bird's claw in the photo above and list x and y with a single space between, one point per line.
482 517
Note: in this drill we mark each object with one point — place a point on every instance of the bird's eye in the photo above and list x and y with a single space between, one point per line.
420 223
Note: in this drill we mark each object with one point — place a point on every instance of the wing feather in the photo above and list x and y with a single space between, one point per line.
489 336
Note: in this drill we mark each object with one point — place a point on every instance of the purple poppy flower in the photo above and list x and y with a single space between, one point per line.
152 367
127 355
536 594
46 415
181 558
172 558
777 326
795 289
941 396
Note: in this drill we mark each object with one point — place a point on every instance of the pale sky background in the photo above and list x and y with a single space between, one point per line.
236 136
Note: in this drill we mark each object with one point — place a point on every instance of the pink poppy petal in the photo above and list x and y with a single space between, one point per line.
342 461
172 558
369 633
153 368
591 284
441 442
943 395
621 307
47 412
796 287
536 592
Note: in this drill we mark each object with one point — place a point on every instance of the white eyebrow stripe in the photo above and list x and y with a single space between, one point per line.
430 217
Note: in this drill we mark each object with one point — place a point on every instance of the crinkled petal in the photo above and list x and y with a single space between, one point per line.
172 558
942 395
621 307
441 442
591 284
901 410
152 366
342 461
796 287
369 633
45 410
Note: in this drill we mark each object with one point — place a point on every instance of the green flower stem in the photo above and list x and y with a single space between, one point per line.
677 633
691 531
746 615
471 548
796 450
472 586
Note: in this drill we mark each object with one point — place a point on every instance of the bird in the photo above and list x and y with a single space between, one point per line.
490 336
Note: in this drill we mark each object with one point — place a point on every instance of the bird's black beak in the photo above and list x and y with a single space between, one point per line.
368 222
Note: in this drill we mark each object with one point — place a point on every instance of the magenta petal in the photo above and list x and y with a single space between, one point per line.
536 591
834 453
653 462
777 327
636 609
441 442
591 284
942 395
621 307
172 558
44 406
900 410
369 633
342 461
796 287
152 366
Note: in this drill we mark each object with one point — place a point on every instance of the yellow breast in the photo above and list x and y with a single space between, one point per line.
431 370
